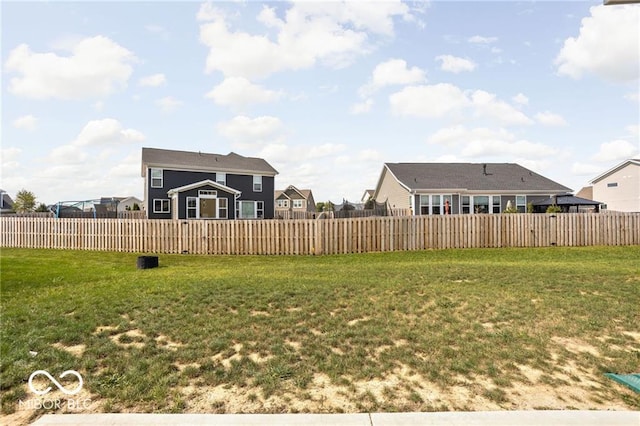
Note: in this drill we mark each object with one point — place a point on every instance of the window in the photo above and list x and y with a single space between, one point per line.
480 204
161 206
612 185
221 178
222 208
447 203
208 192
282 203
424 204
257 184
156 178
246 210
192 207
496 204
298 204
435 204
466 204
250 210
521 203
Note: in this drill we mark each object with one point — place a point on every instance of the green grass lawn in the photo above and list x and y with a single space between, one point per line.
410 331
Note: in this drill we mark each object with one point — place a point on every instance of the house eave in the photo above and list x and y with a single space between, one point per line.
207 182
181 168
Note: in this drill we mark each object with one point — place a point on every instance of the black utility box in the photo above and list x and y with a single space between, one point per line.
147 262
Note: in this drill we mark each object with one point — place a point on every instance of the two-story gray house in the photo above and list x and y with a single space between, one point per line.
197 185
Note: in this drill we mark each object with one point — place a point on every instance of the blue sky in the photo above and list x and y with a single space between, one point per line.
325 91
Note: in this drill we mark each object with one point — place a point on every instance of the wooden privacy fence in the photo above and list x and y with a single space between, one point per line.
331 236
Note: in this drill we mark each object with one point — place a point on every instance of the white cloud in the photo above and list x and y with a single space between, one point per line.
584 169
455 64
106 132
616 150
607 45
520 99
632 96
68 155
96 67
288 154
128 167
443 99
153 80
361 107
25 122
330 33
238 93
548 118
9 160
392 72
432 101
503 148
486 105
246 132
485 142
169 104
158 30
477 39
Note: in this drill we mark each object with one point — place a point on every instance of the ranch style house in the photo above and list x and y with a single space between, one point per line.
462 188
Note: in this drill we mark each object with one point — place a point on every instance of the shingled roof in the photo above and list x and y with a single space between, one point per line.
472 177
200 161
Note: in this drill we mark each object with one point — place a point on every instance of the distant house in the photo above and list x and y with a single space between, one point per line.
619 187
368 195
123 203
196 185
6 202
292 200
462 188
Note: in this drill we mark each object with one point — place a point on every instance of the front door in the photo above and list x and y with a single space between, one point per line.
208 208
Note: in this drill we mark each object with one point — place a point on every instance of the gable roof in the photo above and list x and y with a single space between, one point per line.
7 201
471 177
206 182
304 193
200 161
632 161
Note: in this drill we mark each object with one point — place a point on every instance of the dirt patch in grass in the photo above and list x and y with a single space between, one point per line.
75 350
132 338
576 345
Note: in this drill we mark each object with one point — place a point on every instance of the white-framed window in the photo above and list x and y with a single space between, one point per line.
481 204
257 183
436 204
192 207
221 178
208 192
521 203
298 204
223 210
249 209
496 204
612 185
424 204
282 203
466 204
156 178
161 205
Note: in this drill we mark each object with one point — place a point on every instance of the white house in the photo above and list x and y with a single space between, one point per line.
619 187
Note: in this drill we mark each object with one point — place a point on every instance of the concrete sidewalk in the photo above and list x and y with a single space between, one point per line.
482 418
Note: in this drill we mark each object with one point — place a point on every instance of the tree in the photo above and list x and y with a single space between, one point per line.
25 201
42 208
